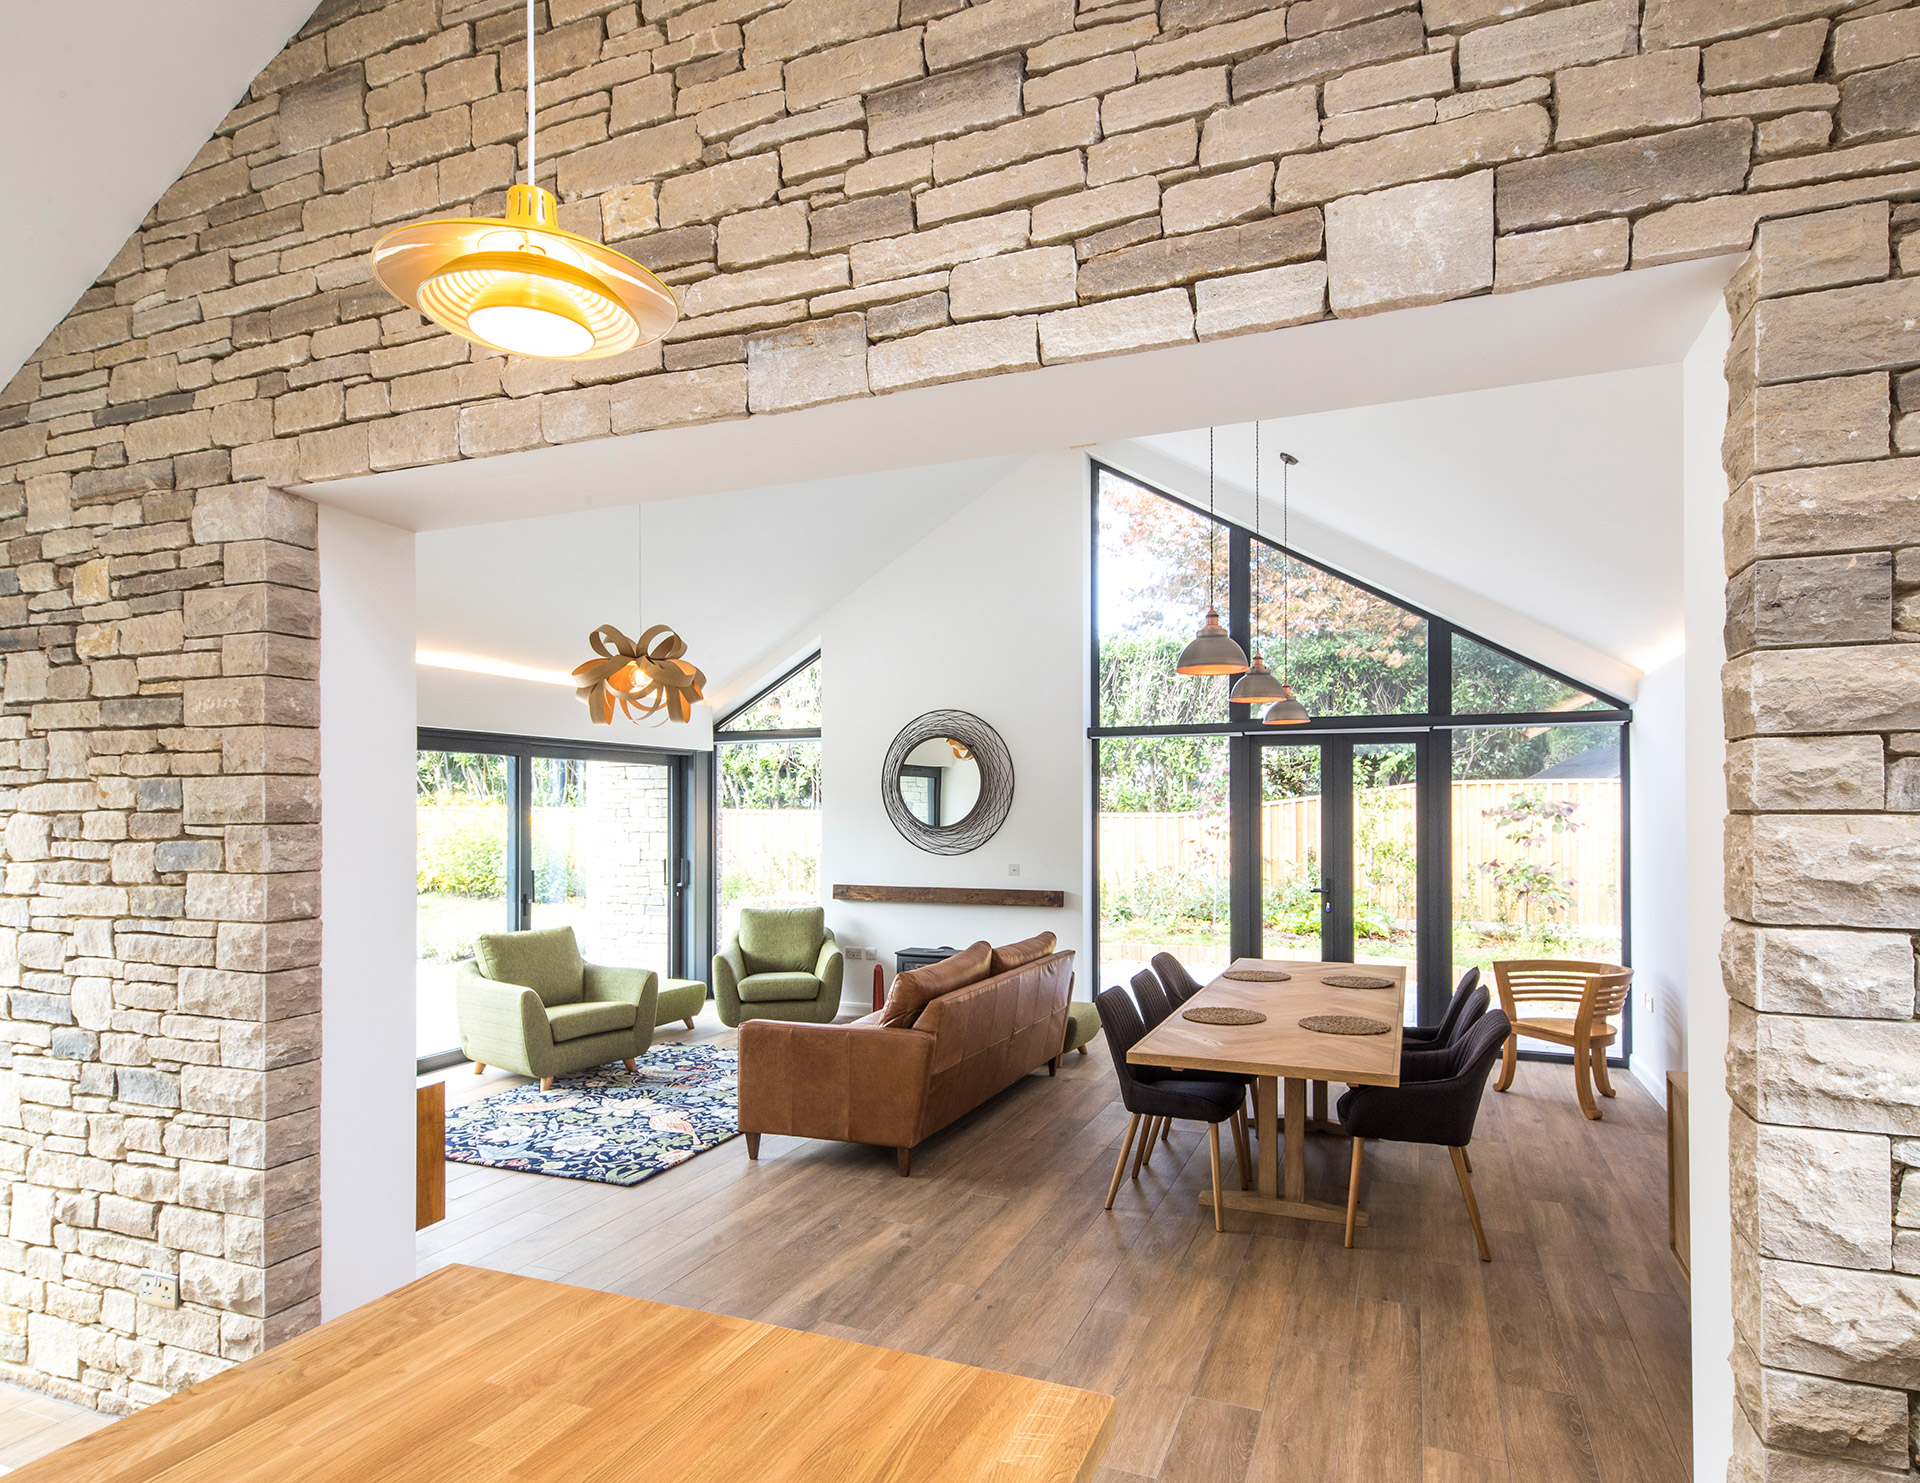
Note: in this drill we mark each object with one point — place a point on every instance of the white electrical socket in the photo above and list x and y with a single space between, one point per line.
1013 870
161 1289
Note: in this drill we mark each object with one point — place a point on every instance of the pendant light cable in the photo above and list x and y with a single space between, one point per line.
1213 526
1286 573
1253 627
529 92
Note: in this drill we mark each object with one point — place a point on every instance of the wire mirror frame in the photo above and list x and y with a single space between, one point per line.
989 811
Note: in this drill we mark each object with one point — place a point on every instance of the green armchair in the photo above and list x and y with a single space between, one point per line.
527 1003
781 964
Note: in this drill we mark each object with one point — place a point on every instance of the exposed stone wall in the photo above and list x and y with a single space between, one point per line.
853 197
158 923
1823 852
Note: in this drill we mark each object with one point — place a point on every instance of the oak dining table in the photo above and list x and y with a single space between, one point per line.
1280 1054
475 1376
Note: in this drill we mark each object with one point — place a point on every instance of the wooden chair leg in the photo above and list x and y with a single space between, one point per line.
1465 1160
1473 1207
546 1083
630 1064
1508 1060
1353 1187
1219 1202
689 1022
753 1145
1053 1066
1147 1146
478 1067
906 1161
1602 1078
1583 1079
1083 1050
1120 1164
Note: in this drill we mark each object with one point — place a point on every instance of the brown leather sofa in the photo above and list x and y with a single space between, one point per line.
897 1084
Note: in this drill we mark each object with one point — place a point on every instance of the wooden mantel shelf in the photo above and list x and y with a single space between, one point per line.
949 896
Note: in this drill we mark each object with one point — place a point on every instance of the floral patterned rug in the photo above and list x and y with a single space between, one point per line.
608 1125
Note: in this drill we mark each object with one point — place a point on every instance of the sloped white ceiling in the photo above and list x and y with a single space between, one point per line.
736 574
102 104
1558 500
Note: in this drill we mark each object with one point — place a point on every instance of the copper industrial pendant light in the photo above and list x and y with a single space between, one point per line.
1286 711
642 676
520 284
1213 651
1258 683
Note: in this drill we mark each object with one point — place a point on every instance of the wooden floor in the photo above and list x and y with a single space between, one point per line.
1267 1353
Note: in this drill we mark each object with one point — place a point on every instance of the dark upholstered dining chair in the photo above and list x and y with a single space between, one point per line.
1440 1111
1426 1059
1164 1097
1181 985
1155 1003
1449 1025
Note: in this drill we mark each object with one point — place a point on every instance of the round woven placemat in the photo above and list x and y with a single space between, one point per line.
1356 981
1208 1015
1257 975
1345 1024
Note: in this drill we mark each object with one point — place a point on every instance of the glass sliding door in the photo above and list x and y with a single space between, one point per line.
463 814
1165 851
602 856
1384 879
1293 895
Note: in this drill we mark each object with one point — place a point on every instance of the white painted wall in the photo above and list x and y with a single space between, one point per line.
1704 389
1657 856
459 701
367 910
987 614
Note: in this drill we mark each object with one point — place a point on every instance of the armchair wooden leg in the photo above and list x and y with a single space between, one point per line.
1473 1207
689 1022
1508 1060
1353 1187
906 1161
753 1145
1120 1164
1053 1066
1219 1204
1597 1059
630 1064
546 1083
478 1067
1583 1079
1083 1050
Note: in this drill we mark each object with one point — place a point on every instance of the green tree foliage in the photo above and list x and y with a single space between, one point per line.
792 707
779 774
460 777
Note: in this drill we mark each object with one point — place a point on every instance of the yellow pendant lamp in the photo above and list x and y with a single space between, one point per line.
520 284
1212 650
1286 711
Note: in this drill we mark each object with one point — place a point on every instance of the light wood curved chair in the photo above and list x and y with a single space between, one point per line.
1595 992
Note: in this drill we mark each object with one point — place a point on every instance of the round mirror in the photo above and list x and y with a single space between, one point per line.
947 782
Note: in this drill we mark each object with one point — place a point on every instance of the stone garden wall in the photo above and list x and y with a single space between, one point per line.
854 197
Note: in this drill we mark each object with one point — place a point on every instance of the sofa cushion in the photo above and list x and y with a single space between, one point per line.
547 962
778 988
915 989
782 939
1019 954
574 1021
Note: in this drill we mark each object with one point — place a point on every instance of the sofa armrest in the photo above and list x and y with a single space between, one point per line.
639 987
855 1083
729 967
500 1024
830 968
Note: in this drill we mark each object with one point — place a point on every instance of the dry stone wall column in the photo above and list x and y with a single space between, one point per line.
1822 695
159 924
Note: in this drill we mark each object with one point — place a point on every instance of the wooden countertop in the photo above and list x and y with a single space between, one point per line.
472 1376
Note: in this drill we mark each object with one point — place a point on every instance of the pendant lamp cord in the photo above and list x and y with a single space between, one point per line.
529 92
640 567
1213 526
1252 623
1286 573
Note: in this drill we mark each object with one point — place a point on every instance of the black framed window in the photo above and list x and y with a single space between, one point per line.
1450 803
520 833
767 805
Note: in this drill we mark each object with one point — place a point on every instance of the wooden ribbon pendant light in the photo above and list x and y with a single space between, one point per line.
638 677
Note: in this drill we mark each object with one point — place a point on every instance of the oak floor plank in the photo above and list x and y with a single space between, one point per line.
1248 1339
1212 1444
1458 1378
1662 1338
1455 1467
1546 1437
1300 1426
1380 1437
